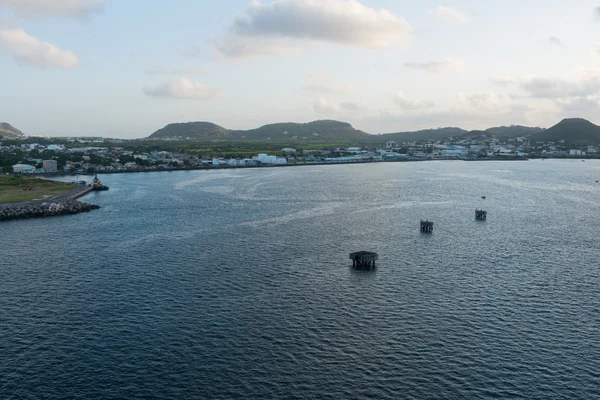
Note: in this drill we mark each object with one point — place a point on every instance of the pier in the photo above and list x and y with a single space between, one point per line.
426 226
480 215
364 259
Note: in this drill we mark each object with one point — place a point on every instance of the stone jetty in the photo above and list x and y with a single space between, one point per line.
64 204
45 209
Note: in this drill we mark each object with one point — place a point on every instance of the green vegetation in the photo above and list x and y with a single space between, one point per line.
18 188
324 130
572 130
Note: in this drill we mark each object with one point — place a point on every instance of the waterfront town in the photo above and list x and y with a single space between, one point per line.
98 155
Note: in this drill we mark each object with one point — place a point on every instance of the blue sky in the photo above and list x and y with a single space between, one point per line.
127 68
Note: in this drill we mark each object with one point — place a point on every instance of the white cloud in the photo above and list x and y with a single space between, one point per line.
479 102
579 95
587 82
597 13
553 40
502 80
282 25
351 106
183 89
156 69
325 108
595 50
411 104
443 65
325 83
29 50
234 46
450 15
53 8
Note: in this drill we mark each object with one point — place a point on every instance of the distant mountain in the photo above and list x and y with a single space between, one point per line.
192 130
426 134
572 130
326 129
513 130
9 131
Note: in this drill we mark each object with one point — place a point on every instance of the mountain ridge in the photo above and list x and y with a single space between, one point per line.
572 130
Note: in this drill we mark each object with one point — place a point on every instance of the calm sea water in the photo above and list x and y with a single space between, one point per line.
237 285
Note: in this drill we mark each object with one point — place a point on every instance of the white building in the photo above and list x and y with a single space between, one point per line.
23 168
288 150
271 160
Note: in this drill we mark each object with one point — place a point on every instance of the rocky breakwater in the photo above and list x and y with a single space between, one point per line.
44 209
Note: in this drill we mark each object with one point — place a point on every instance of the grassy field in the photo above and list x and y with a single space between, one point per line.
17 188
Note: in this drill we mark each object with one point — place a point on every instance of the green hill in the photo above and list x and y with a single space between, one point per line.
10 132
326 130
191 130
572 130
426 134
513 130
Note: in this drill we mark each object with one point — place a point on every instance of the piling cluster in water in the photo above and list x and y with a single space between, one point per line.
38 210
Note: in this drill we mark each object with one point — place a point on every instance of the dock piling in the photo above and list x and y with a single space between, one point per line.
480 215
426 226
364 259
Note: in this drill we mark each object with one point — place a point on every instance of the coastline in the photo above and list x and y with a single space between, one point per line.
304 164
64 204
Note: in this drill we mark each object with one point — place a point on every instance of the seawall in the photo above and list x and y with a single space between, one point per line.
64 204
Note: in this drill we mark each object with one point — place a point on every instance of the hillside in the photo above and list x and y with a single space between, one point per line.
426 134
191 130
513 130
9 131
326 130
572 130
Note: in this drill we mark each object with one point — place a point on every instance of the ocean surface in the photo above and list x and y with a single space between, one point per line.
236 284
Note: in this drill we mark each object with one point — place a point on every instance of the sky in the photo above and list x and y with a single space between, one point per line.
124 69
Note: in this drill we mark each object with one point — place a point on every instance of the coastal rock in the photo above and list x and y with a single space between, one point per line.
45 210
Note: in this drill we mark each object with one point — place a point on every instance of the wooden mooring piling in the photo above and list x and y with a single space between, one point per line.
364 259
480 215
426 226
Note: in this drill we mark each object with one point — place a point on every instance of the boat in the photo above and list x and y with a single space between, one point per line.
483 197
97 185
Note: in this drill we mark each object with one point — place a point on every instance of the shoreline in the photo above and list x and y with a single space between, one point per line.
226 166
304 164
63 204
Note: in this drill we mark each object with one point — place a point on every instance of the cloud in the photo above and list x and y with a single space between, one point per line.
579 95
29 50
53 8
595 50
350 106
411 104
479 102
443 65
502 80
587 83
597 13
326 108
450 15
325 83
233 46
183 89
553 40
282 25
155 69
